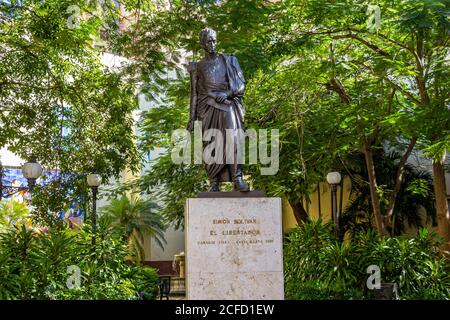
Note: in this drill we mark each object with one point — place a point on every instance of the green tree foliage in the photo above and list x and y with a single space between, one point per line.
58 101
12 213
331 82
405 58
289 98
134 219
327 74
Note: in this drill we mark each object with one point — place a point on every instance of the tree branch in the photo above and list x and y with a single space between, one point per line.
408 94
372 46
336 86
398 179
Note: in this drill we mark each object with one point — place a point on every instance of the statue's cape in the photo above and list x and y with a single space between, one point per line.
235 75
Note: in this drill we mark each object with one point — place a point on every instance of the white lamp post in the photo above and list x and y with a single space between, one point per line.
94 180
31 170
334 179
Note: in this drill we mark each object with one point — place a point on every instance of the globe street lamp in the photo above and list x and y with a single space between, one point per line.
94 180
334 179
31 170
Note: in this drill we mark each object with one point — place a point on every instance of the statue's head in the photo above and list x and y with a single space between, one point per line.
208 40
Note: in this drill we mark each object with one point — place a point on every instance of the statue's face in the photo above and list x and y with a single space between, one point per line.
209 44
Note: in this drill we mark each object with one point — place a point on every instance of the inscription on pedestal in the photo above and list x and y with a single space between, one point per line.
234 248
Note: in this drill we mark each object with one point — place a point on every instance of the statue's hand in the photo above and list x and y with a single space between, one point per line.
221 97
190 126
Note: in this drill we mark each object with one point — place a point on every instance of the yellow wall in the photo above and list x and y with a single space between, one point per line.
312 208
288 216
312 205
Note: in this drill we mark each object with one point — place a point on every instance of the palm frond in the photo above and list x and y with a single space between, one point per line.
136 218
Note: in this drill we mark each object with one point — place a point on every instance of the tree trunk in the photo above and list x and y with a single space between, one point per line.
441 202
398 181
373 187
300 213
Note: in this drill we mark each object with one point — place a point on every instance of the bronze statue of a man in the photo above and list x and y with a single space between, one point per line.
217 88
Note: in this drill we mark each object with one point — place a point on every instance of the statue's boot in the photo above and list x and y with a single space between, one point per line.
239 184
214 185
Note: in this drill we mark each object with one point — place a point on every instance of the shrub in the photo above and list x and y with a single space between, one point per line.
416 264
319 266
146 281
33 265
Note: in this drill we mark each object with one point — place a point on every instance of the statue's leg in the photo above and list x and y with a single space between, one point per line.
238 182
215 170
235 168
214 185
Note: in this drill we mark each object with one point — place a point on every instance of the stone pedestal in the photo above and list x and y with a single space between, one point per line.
234 248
